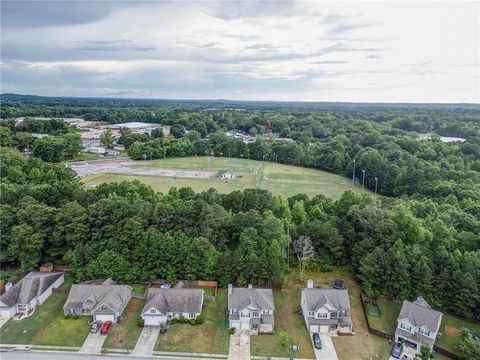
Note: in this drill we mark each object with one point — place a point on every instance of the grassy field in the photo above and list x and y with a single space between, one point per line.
450 329
388 321
277 178
47 326
210 337
124 335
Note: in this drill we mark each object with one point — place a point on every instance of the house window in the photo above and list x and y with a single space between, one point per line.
192 315
424 332
343 312
152 311
266 312
405 327
333 314
255 314
245 315
322 315
104 308
311 313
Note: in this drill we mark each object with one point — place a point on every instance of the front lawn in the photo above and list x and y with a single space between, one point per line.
210 337
125 334
450 329
46 326
387 322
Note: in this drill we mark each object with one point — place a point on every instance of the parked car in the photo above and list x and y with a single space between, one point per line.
96 325
317 342
397 350
338 284
105 327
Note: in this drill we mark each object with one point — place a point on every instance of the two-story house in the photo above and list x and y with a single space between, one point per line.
326 310
105 301
418 324
250 309
165 304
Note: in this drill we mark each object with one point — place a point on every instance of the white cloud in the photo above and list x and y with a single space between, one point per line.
337 51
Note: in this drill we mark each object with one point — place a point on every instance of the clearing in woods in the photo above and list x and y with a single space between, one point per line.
277 178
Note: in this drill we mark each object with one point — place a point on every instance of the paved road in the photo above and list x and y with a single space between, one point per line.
93 343
327 352
146 341
130 167
239 348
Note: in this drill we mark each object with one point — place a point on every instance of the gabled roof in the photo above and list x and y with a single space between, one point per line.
240 298
113 296
420 313
33 284
175 300
318 298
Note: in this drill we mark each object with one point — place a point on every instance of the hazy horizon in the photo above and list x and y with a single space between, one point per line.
311 51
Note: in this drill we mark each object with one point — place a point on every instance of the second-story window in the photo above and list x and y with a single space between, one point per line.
255 314
311 313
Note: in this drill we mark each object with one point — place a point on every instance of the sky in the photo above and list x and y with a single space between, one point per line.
247 50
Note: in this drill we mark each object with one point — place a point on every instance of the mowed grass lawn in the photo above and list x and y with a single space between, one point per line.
210 337
125 334
388 320
47 326
277 178
287 319
450 329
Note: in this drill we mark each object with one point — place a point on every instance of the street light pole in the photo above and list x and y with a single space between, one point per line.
353 174
376 184
363 179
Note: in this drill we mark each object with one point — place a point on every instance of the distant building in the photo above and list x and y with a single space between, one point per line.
136 127
98 150
227 174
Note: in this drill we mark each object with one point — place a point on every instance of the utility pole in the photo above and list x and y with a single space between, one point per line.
144 161
376 185
353 174
363 179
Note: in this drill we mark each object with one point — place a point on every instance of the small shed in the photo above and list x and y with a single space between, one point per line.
227 174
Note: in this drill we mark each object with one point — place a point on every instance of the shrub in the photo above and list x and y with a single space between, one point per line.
284 339
199 320
140 322
182 320
193 322
231 331
68 316
173 321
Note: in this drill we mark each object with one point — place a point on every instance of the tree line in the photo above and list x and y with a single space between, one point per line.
395 247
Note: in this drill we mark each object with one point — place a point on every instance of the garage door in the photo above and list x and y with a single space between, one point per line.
244 325
105 317
324 329
5 313
152 320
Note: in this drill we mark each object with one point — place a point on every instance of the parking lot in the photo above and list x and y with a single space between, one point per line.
130 167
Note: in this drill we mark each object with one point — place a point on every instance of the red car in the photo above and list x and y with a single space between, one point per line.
105 327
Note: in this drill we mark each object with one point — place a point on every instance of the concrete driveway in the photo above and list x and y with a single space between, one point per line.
93 343
239 348
406 351
146 341
327 352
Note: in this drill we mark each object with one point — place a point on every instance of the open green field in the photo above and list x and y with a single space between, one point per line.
210 337
124 335
277 178
47 326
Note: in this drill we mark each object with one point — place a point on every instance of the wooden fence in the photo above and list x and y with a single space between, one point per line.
437 349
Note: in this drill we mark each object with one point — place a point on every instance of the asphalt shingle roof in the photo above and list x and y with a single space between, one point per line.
317 298
240 298
33 284
114 296
176 300
420 313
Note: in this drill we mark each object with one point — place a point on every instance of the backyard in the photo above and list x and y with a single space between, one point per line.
124 335
210 337
387 321
47 326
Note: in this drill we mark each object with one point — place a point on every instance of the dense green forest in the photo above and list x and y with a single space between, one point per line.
421 238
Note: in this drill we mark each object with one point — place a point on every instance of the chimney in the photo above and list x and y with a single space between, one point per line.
250 286
309 284
230 287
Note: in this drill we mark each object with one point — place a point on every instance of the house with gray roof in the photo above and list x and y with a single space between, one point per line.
29 292
326 310
105 301
163 305
250 309
227 174
418 324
